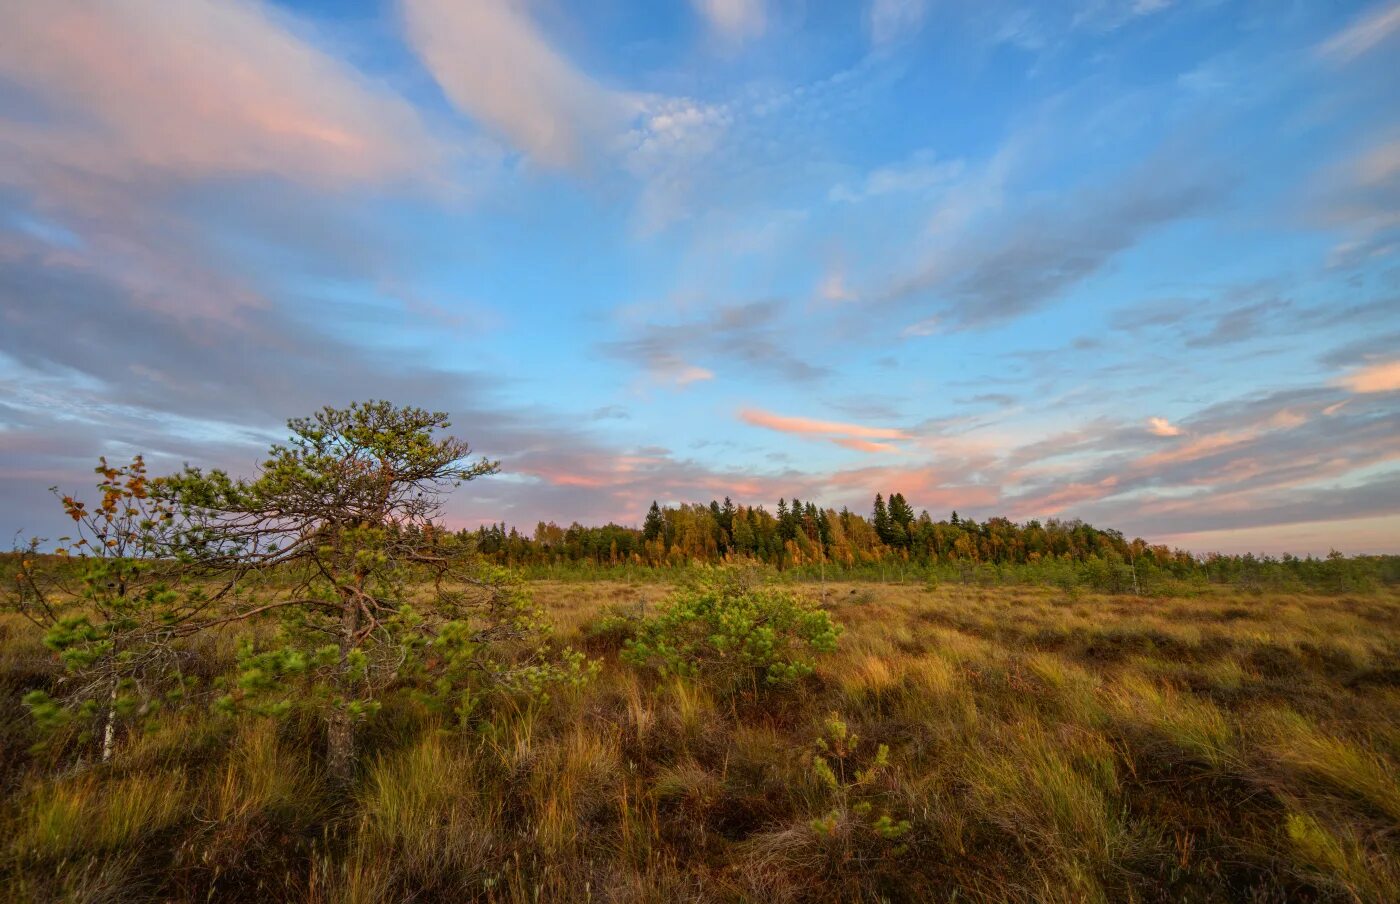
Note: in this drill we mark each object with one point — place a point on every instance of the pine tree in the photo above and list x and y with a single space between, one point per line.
785 529
654 524
881 520
901 520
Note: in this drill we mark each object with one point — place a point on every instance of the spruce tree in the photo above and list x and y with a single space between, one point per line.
881 520
654 524
901 520
785 528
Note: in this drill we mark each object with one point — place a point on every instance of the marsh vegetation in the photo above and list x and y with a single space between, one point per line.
957 744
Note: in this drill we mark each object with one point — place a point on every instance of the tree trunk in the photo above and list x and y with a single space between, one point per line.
109 731
340 727
340 747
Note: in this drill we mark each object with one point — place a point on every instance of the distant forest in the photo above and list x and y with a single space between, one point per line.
799 536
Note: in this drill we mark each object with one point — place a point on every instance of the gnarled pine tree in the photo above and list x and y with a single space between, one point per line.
335 534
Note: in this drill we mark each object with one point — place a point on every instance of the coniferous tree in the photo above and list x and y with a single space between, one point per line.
343 516
785 531
880 519
654 525
901 520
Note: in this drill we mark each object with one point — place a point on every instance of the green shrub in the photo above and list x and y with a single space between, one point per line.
733 634
612 630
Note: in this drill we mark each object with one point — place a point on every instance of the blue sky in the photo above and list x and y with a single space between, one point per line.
1134 262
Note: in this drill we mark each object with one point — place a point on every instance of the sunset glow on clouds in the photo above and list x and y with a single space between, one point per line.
1384 377
1137 263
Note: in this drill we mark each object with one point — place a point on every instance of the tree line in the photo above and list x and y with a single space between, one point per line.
799 535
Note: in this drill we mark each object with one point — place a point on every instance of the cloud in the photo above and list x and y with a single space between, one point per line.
1237 325
1014 266
1361 197
84 371
865 445
688 374
494 65
198 88
891 20
858 437
1365 33
812 426
746 334
1160 426
1380 164
926 327
1381 377
663 149
736 20
833 287
920 174
138 108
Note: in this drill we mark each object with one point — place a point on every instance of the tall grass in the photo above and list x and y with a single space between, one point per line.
1001 745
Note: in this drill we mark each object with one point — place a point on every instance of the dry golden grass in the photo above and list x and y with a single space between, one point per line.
1227 747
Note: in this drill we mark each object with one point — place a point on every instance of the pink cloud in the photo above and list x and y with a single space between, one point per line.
1381 377
813 427
1055 502
202 87
1197 448
864 445
1160 426
689 373
493 63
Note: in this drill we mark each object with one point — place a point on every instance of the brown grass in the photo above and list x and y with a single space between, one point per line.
1041 748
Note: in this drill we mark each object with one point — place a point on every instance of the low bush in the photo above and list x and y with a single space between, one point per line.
734 634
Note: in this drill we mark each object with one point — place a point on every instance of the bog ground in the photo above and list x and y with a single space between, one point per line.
961 744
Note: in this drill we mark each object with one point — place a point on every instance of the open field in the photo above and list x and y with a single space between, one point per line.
1041 746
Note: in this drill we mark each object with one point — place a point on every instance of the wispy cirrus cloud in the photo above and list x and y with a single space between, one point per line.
1363 34
744 334
919 174
988 276
1361 197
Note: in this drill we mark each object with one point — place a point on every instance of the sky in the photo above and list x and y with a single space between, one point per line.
1133 262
